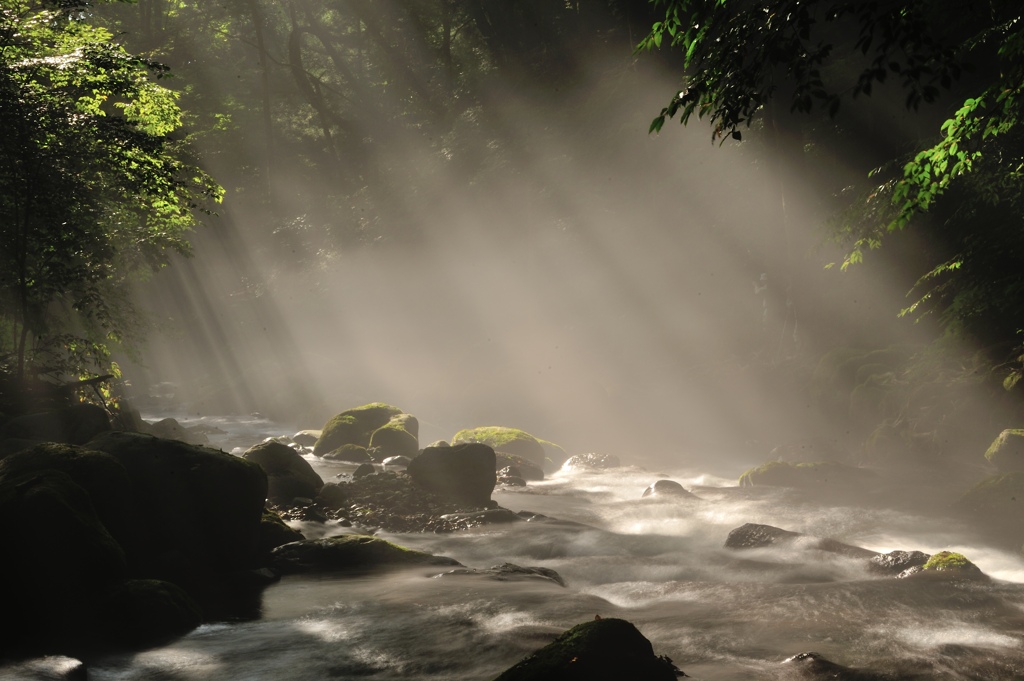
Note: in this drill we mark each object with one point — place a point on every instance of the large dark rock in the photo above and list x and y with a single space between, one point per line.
75 425
99 474
56 556
288 474
753 535
193 505
145 612
598 650
354 426
350 552
464 473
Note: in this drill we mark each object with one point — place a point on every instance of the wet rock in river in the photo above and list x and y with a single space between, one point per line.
591 461
526 469
505 440
349 552
393 462
350 453
608 648
354 426
510 572
463 473
668 488
490 516
363 470
812 666
895 562
946 564
288 474
753 535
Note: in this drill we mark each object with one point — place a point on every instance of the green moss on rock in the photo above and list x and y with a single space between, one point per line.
394 439
801 474
505 440
1007 451
354 426
601 649
947 560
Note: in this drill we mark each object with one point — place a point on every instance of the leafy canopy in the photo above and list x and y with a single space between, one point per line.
740 56
93 188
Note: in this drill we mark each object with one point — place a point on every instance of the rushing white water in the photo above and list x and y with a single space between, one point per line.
658 562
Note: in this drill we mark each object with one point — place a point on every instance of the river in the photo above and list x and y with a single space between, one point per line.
720 614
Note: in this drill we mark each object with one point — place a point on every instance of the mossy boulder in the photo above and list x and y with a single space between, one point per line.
608 648
947 564
506 441
99 474
350 552
1006 452
950 561
464 473
807 475
354 426
288 474
192 504
397 437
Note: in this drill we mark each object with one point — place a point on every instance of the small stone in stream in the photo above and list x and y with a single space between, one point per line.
364 469
396 462
668 488
509 572
591 461
511 481
754 535
487 517
813 666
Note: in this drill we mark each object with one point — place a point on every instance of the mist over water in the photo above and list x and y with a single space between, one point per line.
602 288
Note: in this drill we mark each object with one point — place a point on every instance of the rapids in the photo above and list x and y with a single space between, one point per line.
660 563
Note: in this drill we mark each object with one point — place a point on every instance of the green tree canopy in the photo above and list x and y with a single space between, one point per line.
93 187
963 178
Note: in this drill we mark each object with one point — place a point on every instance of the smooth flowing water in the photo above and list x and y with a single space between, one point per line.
658 562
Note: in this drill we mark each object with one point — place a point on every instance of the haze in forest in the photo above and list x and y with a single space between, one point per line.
604 288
